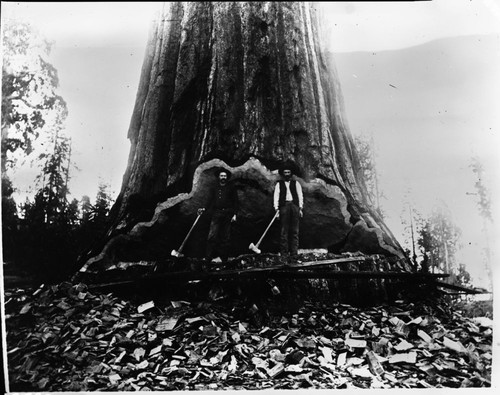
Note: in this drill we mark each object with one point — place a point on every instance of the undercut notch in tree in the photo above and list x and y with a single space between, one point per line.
242 86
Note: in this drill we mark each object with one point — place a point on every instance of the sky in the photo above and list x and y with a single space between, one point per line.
99 48
385 25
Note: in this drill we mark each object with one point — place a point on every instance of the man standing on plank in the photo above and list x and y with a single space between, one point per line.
223 203
289 201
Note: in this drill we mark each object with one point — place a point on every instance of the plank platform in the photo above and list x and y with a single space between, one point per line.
312 269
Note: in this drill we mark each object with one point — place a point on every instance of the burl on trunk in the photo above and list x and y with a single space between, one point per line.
243 86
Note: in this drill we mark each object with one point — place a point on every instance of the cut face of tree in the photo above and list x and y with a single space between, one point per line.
243 86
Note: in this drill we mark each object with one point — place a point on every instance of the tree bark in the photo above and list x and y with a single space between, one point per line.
245 86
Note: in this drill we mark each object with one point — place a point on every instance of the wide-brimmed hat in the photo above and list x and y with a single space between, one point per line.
287 165
223 170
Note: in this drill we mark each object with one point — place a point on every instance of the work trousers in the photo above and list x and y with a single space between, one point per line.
289 220
219 234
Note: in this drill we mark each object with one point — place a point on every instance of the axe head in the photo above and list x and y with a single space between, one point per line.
254 248
177 254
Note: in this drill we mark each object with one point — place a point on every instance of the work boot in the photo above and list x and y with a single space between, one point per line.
205 264
231 264
196 266
285 259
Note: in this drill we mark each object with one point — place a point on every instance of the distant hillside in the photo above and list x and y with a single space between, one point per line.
451 76
430 109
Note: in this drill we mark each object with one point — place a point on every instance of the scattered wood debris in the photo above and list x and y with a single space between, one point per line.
66 338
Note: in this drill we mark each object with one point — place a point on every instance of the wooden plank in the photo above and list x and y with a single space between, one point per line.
329 262
292 272
296 271
302 265
460 288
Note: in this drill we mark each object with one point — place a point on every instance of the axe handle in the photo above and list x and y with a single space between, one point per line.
268 226
189 233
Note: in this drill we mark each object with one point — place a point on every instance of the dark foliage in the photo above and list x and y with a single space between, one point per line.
52 233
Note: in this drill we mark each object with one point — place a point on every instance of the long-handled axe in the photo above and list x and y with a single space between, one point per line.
178 253
255 247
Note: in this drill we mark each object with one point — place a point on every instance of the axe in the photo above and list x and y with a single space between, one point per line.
178 253
255 247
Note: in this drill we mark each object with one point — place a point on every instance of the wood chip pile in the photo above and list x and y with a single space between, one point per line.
66 338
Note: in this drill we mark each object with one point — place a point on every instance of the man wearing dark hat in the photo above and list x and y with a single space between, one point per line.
223 202
289 201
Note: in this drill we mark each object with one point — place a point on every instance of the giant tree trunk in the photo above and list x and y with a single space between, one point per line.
245 86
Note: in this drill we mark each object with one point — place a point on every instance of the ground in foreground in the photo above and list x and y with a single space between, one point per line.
67 338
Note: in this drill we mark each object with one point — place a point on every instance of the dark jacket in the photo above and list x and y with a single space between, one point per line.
224 198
